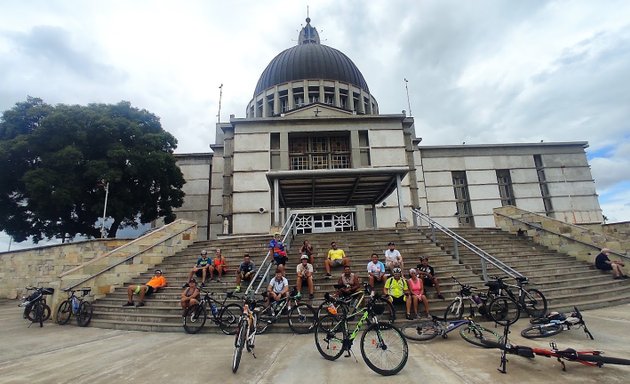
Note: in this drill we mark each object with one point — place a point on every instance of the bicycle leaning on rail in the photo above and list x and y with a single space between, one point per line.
245 331
383 346
467 294
77 306
35 308
225 316
554 323
532 301
469 330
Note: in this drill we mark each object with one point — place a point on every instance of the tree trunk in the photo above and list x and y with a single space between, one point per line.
113 229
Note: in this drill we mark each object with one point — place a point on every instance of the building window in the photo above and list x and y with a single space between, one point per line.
462 199
542 182
364 148
319 152
504 181
274 145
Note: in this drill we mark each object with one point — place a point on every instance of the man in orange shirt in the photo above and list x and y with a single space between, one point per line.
157 281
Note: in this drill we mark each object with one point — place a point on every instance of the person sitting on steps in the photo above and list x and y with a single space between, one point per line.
416 291
304 273
397 289
157 281
245 272
348 283
278 288
278 251
201 268
190 296
335 257
393 258
376 271
219 265
427 274
602 262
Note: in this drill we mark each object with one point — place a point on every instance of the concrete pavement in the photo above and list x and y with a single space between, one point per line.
69 354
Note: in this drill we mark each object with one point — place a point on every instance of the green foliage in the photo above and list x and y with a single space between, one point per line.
57 159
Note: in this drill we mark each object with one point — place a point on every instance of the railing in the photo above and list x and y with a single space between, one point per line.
484 256
541 228
288 229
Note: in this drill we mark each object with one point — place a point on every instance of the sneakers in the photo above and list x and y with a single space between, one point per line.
440 296
409 317
625 277
328 276
311 296
140 304
218 280
237 289
203 285
128 304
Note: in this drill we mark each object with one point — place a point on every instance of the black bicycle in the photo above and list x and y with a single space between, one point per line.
467 295
472 332
225 316
554 323
532 301
35 308
77 306
352 305
300 316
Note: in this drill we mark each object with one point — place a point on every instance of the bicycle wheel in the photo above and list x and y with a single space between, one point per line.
420 330
46 313
239 343
64 312
302 318
384 349
534 303
476 334
38 313
389 314
195 318
228 318
504 311
541 330
329 337
265 319
84 316
602 359
322 310
455 310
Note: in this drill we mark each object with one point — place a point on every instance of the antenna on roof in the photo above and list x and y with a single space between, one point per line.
307 14
408 102
220 97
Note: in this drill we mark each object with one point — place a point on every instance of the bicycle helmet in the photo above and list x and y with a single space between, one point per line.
396 270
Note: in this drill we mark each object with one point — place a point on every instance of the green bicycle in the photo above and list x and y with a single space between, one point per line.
383 346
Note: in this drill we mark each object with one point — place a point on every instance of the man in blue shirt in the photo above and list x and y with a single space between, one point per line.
245 271
200 269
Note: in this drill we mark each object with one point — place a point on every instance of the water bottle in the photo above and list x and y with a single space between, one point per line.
213 309
75 305
476 299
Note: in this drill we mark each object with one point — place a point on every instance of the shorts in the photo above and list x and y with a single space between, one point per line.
398 300
605 267
246 275
336 262
149 291
428 282
199 272
280 260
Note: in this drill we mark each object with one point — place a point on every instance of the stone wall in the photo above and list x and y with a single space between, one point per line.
574 240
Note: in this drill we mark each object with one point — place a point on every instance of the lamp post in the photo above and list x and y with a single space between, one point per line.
104 210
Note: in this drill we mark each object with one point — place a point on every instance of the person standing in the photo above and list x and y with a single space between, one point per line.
277 250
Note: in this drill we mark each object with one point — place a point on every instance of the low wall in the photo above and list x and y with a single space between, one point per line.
574 240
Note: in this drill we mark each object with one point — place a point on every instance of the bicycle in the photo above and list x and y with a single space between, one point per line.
455 310
351 305
35 308
591 358
555 323
469 330
225 316
246 331
383 346
301 316
76 305
532 301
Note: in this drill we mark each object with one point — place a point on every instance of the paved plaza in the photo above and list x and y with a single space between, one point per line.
68 354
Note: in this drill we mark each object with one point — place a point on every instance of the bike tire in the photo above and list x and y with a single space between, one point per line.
420 330
31 317
322 310
534 303
39 314
455 310
602 359
64 312
265 319
302 318
195 318
504 310
541 330
384 349
539 320
227 320
329 337
389 314
84 315
476 334
239 342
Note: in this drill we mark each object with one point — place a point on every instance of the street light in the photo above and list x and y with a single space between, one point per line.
104 210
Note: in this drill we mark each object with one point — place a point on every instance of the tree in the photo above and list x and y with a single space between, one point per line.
57 159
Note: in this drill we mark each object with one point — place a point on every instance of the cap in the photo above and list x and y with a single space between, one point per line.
158 271
391 243
276 234
304 257
204 252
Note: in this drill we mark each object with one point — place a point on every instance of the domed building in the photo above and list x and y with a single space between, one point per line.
314 143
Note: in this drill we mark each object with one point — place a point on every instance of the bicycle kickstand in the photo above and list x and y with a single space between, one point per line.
564 367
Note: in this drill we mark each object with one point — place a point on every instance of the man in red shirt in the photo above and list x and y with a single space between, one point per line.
157 281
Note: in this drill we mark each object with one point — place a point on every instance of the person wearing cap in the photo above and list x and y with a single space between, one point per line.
245 271
304 273
397 289
427 274
190 295
602 262
335 257
201 268
157 281
416 293
393 258
376 270
276 248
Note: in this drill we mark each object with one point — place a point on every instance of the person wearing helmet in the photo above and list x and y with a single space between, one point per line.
397 289
304 273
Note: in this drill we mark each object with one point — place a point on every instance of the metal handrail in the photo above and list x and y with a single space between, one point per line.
484 256
539 227
130 257
287 229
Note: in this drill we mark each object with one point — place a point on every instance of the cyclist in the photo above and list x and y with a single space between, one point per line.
348 283
307 249
276 247
245 271
416 290
376 270
427 274
393 258
190 295
201 268
335 257
278 288
397 289
219 265
157 281
304 273
603 263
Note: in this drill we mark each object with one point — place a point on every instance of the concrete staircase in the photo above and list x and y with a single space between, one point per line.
564 280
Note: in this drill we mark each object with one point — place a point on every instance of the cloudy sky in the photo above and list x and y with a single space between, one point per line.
478 71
